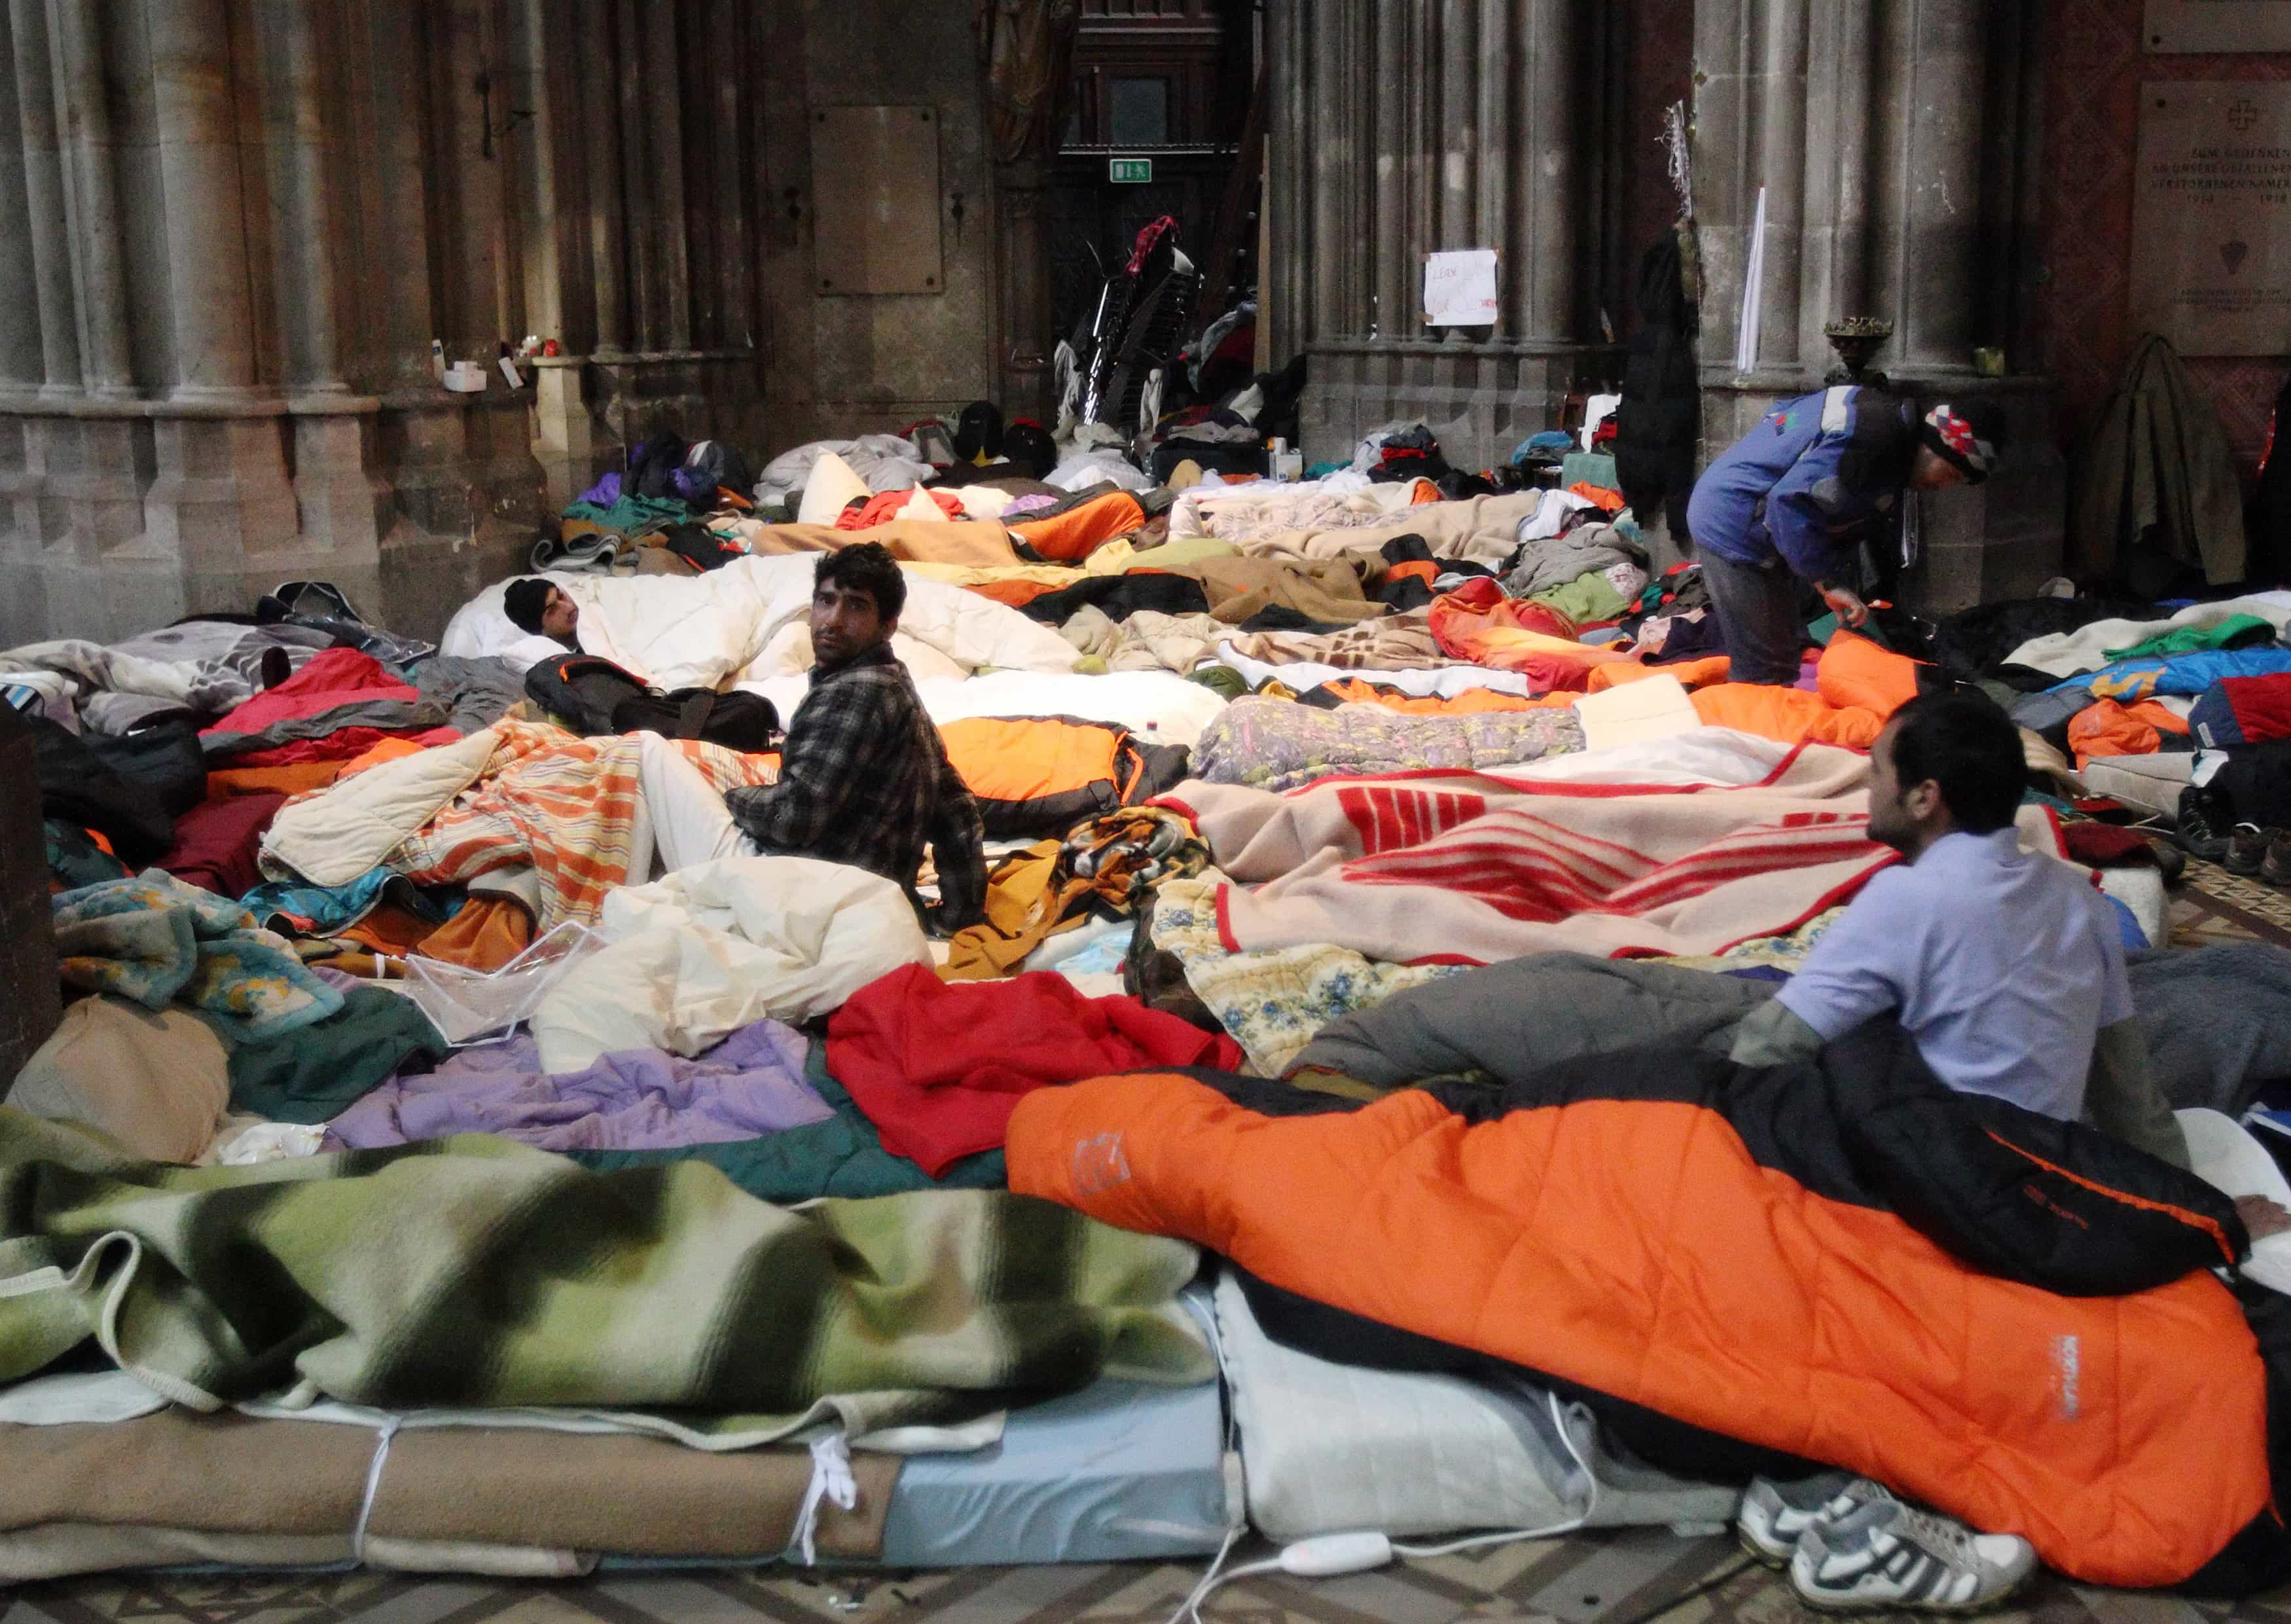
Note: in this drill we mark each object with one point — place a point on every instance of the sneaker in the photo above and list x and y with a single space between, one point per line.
1773 1514
2246 849
2201 823
2275 868
1886 1554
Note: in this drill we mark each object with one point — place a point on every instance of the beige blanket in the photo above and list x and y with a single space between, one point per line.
1473 867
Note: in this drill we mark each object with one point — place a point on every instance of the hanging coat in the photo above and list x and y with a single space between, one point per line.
1660 418
2159 474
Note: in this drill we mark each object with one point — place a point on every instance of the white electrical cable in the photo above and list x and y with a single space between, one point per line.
373 1486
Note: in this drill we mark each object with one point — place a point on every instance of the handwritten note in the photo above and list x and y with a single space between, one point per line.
1459 288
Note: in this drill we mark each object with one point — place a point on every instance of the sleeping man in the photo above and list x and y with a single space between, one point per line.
536 606
863 778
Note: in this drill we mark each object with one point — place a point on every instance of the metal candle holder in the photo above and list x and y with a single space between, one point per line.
1856 339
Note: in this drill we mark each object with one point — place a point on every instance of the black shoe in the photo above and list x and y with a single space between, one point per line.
2202 821
2247 851
2171 861
2275 869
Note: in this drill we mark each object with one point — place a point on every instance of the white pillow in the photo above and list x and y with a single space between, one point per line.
921 506
829 491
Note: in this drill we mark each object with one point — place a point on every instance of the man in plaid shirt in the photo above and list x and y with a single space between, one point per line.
863 778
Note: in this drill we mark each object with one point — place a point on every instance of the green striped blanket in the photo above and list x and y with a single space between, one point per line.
474 1271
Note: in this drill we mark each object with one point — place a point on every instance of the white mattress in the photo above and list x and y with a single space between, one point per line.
1327 1448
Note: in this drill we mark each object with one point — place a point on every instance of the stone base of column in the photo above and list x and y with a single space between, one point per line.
119 516
2003 538
468 499
697 394
1482 399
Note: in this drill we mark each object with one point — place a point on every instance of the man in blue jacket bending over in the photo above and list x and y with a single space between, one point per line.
1793 499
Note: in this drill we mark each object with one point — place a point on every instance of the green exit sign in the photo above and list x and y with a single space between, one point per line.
1130 172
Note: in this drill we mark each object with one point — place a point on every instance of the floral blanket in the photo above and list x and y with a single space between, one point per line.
1280 745
158 941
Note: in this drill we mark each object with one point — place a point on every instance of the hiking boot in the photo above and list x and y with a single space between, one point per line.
2247 851
2275 868
2202 827
1886 1554
1773 1514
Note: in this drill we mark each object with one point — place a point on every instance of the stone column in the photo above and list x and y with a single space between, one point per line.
669 324
22 364
1439 125
1392 308
302 156
1864 122
47 230
210 294
1542 275
1929 204
600 150
90 166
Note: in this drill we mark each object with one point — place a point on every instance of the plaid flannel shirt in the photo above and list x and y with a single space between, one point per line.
864 780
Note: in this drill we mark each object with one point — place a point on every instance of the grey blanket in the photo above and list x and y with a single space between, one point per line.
1554 560
2217 1019
1520 1016
466 695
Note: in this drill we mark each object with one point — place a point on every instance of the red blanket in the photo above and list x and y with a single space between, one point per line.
939 1066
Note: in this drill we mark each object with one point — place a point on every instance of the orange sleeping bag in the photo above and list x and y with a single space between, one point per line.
1718 1245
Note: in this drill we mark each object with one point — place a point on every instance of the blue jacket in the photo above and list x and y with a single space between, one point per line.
1819 476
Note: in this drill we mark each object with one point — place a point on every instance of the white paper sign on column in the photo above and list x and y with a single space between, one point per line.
1459 288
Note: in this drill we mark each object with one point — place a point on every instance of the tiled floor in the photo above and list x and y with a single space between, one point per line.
1622 1578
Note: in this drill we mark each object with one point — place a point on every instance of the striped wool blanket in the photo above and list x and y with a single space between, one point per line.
476 1272
517 793
1465 867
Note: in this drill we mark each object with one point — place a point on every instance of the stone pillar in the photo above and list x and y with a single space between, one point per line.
1864 124
1929 198
1542 272
1437 124
22 364
90 168
600 124
668 324
210 292
302 149
47 227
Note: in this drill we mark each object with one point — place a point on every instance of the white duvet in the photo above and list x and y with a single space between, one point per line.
737 623
1159 707
718 945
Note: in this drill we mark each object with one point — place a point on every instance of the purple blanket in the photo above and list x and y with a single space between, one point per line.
748 1085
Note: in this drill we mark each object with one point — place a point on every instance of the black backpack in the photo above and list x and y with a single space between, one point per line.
652 468
597 698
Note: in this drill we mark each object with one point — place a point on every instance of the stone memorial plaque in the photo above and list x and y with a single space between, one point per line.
2211 223
2217 27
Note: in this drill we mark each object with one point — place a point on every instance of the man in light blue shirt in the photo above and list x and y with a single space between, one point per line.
2005 966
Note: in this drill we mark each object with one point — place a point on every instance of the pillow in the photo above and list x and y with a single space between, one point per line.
833 486
158 1081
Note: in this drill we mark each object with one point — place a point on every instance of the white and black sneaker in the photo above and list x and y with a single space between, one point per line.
1887 1554
1775 1513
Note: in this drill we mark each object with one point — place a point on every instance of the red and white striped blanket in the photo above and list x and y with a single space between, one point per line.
566 805
1473 867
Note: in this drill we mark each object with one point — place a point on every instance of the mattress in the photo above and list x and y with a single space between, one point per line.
1328 1448
1116 1472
